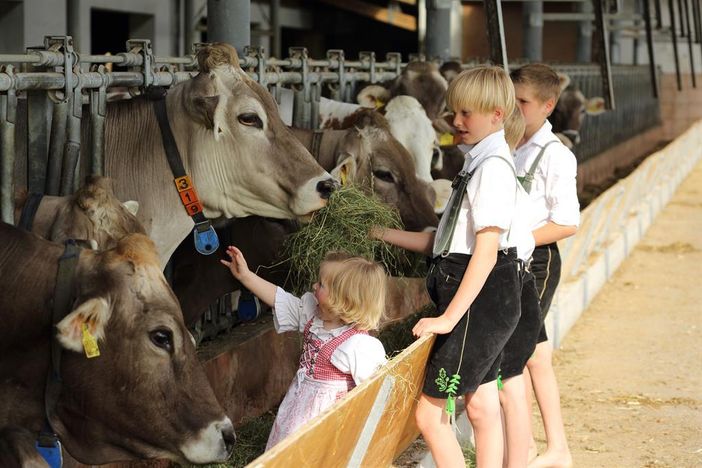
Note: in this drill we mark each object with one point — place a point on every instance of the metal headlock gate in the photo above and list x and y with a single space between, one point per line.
45 93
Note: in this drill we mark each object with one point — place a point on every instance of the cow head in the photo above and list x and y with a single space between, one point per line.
253 164
423 81
146 394
95 214
570 111
373 159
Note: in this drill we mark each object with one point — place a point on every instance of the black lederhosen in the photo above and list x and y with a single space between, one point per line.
523 341
474 347
546 267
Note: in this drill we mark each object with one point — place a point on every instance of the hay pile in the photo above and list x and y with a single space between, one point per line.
343 225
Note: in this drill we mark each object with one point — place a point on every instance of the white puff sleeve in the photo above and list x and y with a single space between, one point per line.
291 313
492 193
561 190
361 355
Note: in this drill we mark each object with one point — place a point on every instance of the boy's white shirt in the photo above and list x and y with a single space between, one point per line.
553 195
494 198
360 355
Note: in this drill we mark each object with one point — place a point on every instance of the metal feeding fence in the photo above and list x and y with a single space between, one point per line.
46 93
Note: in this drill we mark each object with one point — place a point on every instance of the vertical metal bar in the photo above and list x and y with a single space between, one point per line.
695 20
649 46
189 26
603 54
57 141
496 33
659 15
689 44
276 41
229 21
683 33
38 122
8 117
98 110
71 153
671 9
438 39
533 27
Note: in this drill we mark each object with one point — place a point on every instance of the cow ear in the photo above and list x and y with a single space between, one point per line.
93 313
132 206
564 79
373 96
595 106
345 172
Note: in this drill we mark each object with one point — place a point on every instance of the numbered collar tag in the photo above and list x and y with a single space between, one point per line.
51 453
205 237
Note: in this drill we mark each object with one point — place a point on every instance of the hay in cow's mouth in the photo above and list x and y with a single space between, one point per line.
343 225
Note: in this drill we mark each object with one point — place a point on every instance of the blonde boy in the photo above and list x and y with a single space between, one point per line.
550 169
474 274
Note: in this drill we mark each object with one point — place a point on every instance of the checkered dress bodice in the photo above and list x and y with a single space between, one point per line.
316 355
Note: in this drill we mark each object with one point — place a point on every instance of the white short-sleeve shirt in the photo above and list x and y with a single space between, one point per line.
494 199
554 195
360 355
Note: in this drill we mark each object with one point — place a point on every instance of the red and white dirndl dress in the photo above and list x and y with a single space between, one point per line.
316 386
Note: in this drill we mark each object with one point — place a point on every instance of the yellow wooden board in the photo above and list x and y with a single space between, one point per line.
331 439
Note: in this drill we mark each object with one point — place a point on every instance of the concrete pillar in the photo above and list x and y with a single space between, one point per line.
229 21
584 44
533 27
438 38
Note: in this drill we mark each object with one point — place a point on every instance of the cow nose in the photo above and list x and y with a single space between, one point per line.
326 187
229 437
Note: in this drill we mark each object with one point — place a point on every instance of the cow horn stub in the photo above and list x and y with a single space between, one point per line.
215 54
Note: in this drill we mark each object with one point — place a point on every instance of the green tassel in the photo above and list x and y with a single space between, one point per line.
451 405
500 385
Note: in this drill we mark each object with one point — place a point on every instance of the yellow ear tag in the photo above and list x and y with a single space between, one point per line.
89 343
378 104
446 139
342 178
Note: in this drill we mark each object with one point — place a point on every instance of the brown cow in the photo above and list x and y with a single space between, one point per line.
570 112
199 280
240 155
145 396
92 213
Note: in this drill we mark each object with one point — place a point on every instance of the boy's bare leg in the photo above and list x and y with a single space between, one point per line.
533 449
543 378
435 426
514 405
483 408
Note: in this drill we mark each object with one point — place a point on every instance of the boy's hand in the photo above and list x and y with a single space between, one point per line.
376 232
439 325
237 265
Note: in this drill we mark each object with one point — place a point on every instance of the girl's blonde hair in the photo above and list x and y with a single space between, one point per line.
515 126
481 89
357 289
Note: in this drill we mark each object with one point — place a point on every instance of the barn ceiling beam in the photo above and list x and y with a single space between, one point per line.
391 16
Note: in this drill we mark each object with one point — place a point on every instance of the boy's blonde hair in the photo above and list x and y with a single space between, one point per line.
481 89
515 126
541 78
357 289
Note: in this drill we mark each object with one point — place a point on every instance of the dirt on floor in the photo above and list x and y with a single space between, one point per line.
629 370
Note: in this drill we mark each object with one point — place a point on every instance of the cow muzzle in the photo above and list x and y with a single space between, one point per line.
213 444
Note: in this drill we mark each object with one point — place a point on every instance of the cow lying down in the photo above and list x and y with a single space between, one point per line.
144 396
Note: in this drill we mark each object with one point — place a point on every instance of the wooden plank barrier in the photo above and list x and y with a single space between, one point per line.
370 427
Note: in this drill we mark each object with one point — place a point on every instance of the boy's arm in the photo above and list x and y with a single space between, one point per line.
420 242
552 232
481 264
263 289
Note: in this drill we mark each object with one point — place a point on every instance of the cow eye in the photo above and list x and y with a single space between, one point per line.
385 176
250 120
162 338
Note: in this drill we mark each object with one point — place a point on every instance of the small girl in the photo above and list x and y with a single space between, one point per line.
338 353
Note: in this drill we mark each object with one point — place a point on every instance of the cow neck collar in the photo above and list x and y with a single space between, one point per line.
326 159
204 235
64 296
29 211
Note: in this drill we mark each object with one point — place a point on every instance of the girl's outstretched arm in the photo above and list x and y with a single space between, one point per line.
420 242
480 265
264 290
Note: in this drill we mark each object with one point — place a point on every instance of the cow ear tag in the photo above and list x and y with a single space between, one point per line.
90 345
206 240
446 139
